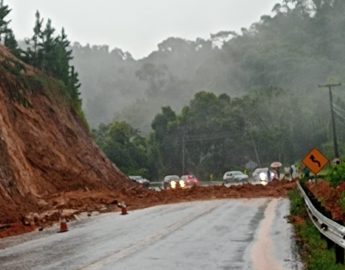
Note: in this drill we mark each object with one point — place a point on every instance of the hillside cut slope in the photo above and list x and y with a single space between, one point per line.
45 147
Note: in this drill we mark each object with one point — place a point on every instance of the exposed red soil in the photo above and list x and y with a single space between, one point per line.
328 197
297 220
45 147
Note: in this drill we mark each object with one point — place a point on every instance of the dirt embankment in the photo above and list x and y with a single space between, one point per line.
328 199
45 148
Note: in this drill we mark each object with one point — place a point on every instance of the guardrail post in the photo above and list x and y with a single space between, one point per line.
339 255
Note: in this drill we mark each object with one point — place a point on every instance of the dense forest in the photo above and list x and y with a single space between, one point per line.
297 47
237 97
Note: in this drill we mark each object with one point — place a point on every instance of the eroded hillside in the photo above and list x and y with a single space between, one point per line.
45 147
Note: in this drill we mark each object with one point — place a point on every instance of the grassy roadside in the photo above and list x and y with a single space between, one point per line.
312 248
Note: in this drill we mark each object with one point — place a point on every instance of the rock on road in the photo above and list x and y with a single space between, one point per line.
220 234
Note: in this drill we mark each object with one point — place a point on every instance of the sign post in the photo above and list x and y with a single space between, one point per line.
315 161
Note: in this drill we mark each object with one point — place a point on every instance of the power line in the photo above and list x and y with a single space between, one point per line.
339 109
340 115
330 86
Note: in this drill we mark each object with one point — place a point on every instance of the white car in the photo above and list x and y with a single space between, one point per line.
235 177
263 175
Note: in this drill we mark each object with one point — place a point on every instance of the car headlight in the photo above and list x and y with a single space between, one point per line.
182 183
262 176
173 184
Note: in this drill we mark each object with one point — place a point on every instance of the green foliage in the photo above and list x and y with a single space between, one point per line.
214 134
6 34
336 174
316 254
296 203
124 146
221 133
52 54
342 201
4 11
11 43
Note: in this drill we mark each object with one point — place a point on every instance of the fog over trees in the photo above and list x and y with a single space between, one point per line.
296 48
205 106
269 73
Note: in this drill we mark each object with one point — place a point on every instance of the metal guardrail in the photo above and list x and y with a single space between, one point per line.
332 230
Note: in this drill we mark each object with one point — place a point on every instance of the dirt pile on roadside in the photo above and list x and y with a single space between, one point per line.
328 199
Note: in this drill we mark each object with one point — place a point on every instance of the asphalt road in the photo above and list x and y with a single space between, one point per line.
222 234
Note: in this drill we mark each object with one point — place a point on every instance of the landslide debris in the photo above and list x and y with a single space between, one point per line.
136 197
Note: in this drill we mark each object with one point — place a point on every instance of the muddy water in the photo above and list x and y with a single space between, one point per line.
262 249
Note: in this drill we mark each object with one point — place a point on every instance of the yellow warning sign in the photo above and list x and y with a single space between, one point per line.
315 161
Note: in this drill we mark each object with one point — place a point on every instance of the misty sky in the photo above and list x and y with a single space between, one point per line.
137 26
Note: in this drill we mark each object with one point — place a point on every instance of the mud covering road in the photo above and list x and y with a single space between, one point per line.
82 201
219 234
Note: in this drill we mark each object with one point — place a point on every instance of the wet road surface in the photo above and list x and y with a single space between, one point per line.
220 234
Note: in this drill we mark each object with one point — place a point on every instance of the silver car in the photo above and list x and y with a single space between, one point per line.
140 180
235 177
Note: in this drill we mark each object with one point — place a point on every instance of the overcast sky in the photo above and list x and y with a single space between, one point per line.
137 26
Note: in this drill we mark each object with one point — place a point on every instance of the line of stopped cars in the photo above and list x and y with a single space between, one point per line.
185 181
169 181
259 176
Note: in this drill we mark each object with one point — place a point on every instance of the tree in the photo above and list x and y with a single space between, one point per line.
33 55
48 50
125 147
6 34
73 85
11 43
63 52
53 54
4 11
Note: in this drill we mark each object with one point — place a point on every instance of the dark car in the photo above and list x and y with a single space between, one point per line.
171 181
140 180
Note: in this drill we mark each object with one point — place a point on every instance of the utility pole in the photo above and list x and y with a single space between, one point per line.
183 152
330 86
255 149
